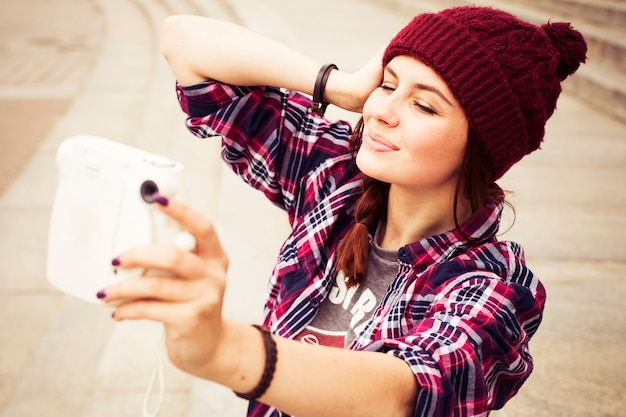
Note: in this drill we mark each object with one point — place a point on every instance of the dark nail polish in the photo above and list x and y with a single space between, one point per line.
101 294
159 199
113 315
115 262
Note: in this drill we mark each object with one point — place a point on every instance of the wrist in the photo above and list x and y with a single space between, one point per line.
342 91
319 102
271 357
240 363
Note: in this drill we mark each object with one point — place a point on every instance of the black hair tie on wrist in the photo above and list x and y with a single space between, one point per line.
268 370
318 106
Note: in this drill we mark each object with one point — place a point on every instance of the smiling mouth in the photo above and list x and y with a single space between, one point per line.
378 143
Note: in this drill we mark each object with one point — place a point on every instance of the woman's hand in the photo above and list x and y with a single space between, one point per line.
350 90
189 304
200 342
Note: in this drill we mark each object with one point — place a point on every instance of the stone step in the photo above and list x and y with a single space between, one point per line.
76 356
607 14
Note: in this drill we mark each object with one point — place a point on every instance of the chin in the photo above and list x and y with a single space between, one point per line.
369 166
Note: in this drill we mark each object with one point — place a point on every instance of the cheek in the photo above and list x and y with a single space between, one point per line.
453 151
363 161
439 149
375 166
458 140
449 138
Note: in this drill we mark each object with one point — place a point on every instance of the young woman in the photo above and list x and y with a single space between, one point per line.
392 270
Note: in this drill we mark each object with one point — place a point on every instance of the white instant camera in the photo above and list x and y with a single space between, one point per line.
102 207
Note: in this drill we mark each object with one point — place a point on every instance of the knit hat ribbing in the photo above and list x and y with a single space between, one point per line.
505 73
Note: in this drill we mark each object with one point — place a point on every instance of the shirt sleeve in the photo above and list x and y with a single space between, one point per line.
469 352
268 136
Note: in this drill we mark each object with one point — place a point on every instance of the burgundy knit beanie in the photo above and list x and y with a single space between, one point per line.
506 73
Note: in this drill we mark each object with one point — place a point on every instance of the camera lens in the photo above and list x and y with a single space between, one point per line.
147 190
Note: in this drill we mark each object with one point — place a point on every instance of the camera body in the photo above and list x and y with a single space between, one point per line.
102 207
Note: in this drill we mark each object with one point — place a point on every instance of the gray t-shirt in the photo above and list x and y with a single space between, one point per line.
346 310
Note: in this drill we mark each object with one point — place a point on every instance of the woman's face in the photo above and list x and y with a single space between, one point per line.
415 131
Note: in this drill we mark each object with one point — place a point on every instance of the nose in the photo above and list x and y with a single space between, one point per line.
385 109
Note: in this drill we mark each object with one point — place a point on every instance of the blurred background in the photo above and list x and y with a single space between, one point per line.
71 67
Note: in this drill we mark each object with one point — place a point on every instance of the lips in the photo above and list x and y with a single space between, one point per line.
378 143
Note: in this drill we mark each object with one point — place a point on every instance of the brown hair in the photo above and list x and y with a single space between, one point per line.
473 183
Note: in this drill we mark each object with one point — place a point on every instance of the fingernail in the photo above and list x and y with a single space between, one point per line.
113 315
101 294
116 262
159 199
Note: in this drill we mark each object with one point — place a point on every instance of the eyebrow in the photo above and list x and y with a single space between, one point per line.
425 87
432 89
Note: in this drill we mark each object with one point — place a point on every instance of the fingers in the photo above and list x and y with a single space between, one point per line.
198 225
162 289
173 276
176 279
146 310
156 287
178 262
171 314
165 299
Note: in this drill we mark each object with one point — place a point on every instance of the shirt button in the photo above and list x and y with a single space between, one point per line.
403 255
315 302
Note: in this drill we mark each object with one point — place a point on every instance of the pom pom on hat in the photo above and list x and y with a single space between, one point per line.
505 72
570 44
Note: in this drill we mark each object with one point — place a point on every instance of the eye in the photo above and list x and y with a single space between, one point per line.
386 87
423 107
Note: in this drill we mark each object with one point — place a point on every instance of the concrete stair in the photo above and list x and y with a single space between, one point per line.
601 82
66 357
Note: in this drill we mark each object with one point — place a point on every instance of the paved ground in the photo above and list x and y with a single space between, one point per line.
79 66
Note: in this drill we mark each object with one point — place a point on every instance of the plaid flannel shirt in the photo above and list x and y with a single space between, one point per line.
460 313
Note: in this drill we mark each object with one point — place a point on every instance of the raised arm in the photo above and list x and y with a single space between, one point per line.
199 48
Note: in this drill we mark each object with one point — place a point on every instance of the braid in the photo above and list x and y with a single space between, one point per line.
353 250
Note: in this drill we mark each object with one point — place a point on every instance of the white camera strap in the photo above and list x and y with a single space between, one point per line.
157 377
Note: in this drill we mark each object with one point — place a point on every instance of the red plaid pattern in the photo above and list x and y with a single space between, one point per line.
459 312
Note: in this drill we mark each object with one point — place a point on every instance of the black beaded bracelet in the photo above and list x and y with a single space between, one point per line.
318 106
270 366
